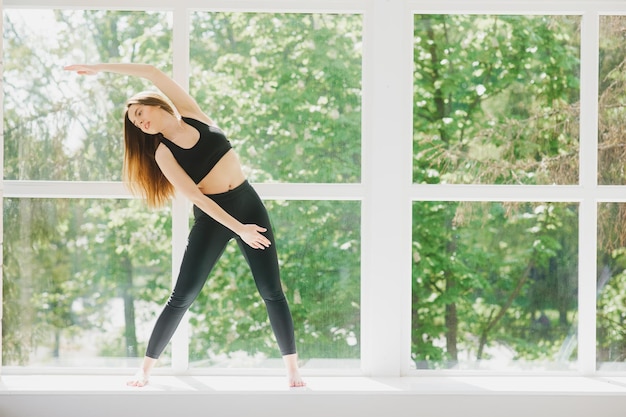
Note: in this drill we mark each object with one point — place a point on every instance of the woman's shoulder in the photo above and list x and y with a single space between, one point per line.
198 118
203 126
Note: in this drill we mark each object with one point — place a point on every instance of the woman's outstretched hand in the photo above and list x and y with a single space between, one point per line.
251 234
82 69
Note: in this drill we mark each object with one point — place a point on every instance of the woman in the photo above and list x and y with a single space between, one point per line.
177 147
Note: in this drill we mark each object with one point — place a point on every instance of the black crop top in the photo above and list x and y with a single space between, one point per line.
200 159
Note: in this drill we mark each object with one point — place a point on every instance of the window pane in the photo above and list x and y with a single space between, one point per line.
83 281
496 99
319 252
611 284
60 126
495 285
612 103
287 90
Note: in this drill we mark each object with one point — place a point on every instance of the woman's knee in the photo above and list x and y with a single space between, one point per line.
272 295
181 302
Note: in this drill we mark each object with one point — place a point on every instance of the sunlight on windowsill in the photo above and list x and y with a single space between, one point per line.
423 385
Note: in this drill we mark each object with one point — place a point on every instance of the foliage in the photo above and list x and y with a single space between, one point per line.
611 120
112 268
611 216
495 99
495 102
276 82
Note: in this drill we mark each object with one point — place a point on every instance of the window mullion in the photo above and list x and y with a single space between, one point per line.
588 217
180 206
386 219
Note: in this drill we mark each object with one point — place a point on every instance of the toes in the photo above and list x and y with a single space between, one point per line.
297 384
139 380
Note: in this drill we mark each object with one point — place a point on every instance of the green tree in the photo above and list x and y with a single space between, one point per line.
107 251
611 345
494 102
611 149
275 83
129 249
292 110
73 299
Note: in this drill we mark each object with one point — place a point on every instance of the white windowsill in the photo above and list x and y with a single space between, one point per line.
419 385
328 396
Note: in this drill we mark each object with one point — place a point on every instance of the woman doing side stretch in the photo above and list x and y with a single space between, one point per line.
177 146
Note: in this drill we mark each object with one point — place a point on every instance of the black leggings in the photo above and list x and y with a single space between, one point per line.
207 241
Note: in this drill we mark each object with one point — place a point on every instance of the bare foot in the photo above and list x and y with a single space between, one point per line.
293 372
140 379
295 380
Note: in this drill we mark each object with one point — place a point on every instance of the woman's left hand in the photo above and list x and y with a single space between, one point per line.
251 234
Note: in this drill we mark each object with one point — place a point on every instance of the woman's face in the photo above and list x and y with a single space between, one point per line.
145 117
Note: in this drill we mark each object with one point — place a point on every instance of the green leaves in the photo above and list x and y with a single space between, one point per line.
286 88
493 97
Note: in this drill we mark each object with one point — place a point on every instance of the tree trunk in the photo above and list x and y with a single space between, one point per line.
452 326
493 321
130 331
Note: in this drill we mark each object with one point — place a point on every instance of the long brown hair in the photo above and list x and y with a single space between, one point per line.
141 173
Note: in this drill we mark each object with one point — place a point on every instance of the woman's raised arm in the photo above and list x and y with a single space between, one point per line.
184 103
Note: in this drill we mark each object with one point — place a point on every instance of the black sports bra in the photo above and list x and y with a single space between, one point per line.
200 159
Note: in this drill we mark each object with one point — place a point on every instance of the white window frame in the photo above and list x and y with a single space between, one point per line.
386 190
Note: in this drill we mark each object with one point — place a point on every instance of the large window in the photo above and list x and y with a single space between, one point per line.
611 335
496 102
85 279
61 128
446 185
82 279
287 87
494 285
496 99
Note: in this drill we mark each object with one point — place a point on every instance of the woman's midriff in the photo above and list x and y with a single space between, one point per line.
225 175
